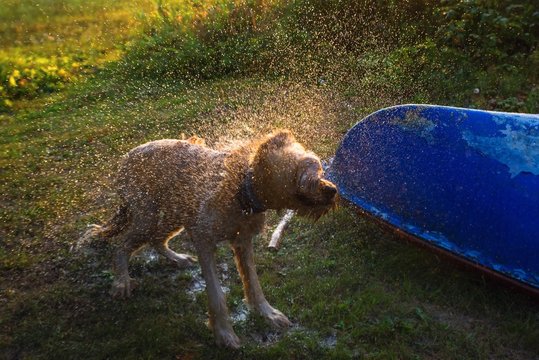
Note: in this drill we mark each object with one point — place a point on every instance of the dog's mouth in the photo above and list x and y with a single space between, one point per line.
326 196
315 210
310 202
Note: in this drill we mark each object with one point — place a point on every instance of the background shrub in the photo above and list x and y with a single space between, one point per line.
478 53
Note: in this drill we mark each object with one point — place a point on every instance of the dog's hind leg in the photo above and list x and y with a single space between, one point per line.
182 260
123 284
244 257
133 238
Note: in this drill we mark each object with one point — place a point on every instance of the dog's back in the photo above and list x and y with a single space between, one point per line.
169 172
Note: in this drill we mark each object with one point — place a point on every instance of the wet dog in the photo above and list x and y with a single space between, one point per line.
169 185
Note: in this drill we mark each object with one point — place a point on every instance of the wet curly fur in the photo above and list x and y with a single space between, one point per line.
169 185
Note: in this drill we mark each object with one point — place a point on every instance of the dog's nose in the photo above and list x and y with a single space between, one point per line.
329 189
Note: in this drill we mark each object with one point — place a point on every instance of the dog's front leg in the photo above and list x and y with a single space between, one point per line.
219 320
244 256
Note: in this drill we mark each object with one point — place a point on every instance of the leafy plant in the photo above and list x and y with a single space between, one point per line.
489 30
27 77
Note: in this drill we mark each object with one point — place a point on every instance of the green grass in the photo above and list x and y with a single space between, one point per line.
341 279
352 290
48 44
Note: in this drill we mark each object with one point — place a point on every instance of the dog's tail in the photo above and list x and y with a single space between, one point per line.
115 225
112 228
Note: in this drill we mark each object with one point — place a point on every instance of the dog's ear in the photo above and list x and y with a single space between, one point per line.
277 140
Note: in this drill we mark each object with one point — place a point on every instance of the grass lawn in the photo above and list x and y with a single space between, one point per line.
351 290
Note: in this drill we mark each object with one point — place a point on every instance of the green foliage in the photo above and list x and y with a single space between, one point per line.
490 46
27 77
212 39
202 40
489 30
415 73
46 45
426 51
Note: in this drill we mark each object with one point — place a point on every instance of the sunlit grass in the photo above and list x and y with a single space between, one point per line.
48 44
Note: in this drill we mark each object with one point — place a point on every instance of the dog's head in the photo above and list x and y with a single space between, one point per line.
288 176
314 195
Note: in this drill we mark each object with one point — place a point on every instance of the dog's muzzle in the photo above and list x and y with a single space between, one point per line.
326 196
329 190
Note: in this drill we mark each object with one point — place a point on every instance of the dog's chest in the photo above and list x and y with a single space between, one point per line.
242 227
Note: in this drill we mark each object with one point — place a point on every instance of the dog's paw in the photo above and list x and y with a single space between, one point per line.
123 287
227 338
274 317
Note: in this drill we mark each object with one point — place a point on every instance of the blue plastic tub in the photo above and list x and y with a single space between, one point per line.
463 181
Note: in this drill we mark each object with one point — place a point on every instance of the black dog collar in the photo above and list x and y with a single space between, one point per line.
249 202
